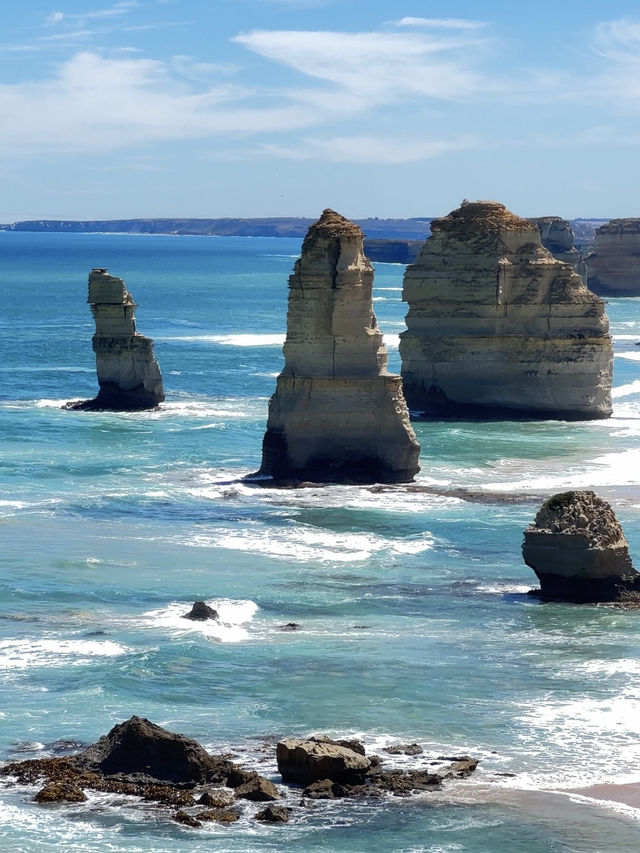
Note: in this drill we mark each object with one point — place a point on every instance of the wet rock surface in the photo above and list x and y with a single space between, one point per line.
135 759
578 550
200 612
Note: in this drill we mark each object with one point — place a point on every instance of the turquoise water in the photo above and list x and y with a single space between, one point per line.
415 619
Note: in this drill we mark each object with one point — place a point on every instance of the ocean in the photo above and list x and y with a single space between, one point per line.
415 623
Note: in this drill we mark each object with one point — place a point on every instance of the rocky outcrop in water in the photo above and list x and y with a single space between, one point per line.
128 374
336 415
557 235
150 764
579 552
613 264
497 326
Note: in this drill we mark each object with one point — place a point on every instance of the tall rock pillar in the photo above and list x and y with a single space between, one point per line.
128 374
336 415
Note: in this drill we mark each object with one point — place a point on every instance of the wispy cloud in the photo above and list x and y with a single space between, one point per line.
112 11
370 149
440 23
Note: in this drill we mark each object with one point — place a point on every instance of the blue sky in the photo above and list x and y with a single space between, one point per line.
283 107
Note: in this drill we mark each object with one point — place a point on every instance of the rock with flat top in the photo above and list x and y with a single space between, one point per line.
579 552
613 263
305 761
498 327
337 415
128 373
557 235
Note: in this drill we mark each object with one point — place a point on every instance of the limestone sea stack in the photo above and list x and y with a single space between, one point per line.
557 235
579 552
337 414
613 264
128 374
497 326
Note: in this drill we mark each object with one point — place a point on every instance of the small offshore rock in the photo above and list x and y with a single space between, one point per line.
217 799
257 790
290 626
238 776
305 761
218 815
404 749
578 550
186 819
320 790
200 612
61 792
274 814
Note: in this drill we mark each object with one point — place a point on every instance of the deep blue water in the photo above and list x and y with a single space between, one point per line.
415 619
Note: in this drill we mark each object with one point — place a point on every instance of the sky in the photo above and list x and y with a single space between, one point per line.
249 108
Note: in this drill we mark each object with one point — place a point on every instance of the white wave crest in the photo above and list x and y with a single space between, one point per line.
233 615
23 654
241 340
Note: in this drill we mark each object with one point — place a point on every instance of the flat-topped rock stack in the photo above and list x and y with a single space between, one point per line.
557 235
579 552
128 374
498 327
336 415
613 264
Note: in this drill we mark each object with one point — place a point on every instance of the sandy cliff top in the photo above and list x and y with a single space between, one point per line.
481 216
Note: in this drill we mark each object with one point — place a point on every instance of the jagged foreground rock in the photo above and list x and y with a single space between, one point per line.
613 264
128 374
579 552
497 325
336 414
557 235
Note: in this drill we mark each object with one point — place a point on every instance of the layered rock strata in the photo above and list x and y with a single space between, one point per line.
557 235
336 415
128 374
613 264
579 552
498 326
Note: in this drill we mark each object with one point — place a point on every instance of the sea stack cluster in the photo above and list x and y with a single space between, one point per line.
337 414
128 374
613 264
579 552
497 325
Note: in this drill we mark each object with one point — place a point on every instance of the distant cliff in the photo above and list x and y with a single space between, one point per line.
373 228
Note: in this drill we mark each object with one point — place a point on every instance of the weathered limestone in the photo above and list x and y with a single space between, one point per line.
613 264
306 760
128 374
336 415
579 552
496 325
557 235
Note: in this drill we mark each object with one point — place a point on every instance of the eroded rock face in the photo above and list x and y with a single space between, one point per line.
579 552
304 761
557 235
498 326
128 374
336 414
613 264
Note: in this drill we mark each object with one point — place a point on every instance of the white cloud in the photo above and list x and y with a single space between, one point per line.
112 11
97 104
377 66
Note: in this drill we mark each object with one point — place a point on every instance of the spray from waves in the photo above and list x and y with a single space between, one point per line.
25 654
631 356
233 615
626 390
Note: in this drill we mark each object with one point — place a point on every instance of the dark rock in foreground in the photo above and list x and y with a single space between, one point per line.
579 552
